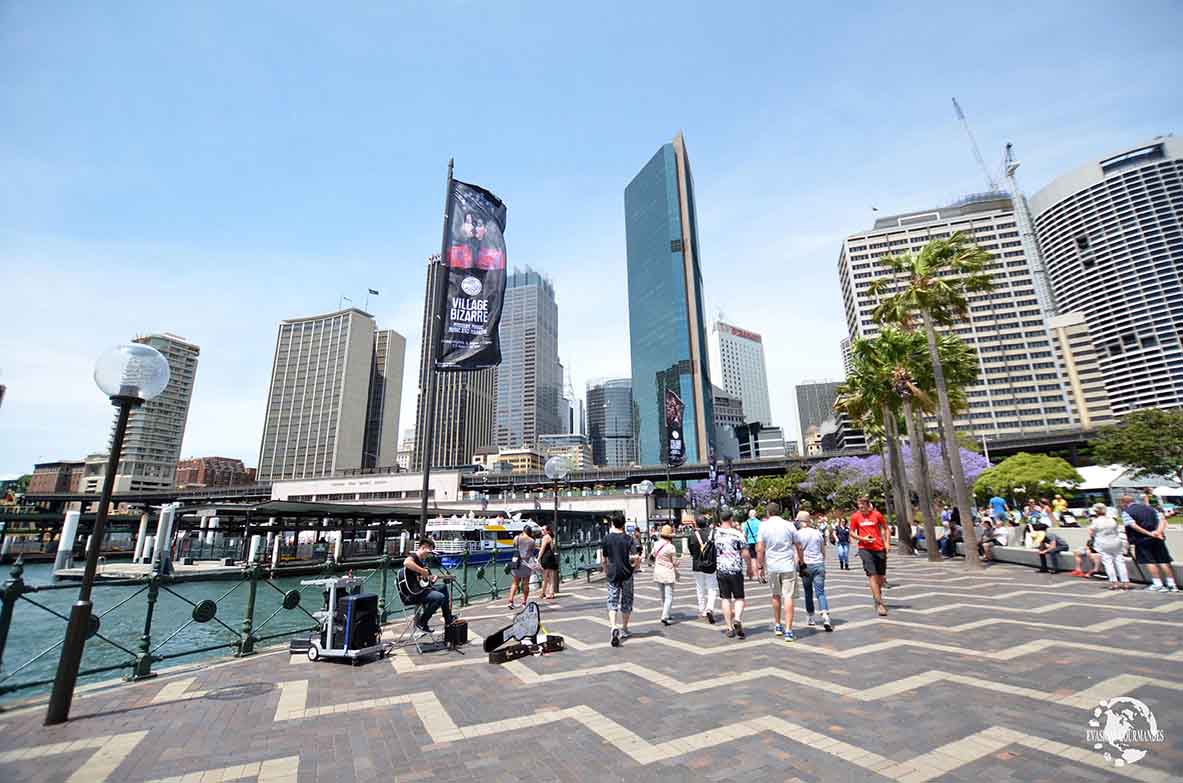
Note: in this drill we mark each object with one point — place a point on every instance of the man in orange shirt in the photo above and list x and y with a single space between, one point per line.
869 528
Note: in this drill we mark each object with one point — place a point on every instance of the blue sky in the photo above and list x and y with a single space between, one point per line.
212 169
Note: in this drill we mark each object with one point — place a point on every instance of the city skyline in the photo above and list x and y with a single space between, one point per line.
247 228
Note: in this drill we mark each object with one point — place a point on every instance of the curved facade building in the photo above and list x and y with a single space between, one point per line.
1111 236
611 422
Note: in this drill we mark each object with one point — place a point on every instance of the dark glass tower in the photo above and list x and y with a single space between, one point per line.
610 423
667 333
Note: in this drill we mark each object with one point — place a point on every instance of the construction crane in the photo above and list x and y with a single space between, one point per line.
974 143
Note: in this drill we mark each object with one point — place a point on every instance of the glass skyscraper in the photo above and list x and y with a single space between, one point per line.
667 333
530 378
611 421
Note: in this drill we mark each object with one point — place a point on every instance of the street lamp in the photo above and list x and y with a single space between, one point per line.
556 468
130 375
647 488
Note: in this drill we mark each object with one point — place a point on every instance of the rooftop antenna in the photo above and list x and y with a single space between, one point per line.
974 144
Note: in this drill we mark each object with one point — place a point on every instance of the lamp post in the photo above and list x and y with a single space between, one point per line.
647 488
556 468
130 375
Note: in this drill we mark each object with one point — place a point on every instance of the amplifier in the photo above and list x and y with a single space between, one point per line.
456 634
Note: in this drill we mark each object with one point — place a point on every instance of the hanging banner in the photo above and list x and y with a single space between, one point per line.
676 446
476 280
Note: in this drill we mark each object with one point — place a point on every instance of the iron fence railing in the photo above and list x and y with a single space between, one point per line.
140 622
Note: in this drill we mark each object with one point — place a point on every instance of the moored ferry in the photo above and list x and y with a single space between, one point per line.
484 539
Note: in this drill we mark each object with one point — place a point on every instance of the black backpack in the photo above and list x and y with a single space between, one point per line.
708 556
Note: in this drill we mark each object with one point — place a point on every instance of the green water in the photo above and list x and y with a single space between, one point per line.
35 630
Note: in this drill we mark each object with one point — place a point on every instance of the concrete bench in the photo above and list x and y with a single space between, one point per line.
1030 557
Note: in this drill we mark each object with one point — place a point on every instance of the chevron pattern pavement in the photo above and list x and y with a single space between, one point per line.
986 676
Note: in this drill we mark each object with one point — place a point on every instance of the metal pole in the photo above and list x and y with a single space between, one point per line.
143 667
436 314
78 626
246 641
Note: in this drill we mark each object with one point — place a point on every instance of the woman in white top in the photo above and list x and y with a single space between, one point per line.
665 570
813 570
1107 535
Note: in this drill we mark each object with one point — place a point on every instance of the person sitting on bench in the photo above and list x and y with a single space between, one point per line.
424 590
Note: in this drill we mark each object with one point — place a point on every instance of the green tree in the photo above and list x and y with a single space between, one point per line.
933 286
1150 441
1034 474
766 489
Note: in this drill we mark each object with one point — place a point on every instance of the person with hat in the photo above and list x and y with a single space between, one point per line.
778 550
665 571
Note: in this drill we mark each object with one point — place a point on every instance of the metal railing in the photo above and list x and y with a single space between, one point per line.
213 616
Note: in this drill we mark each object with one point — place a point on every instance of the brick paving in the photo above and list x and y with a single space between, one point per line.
985 677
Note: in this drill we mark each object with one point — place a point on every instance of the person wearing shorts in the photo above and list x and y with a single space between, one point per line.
1146 530
731 552
778 553
751 532
620 559
869 528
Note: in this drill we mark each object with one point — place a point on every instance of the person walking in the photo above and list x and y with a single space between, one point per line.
620 558
778 552
813 554
751 532
703 565
842 544
1107 537
548 558
665 571
1147 532
869 529
522 566
731 551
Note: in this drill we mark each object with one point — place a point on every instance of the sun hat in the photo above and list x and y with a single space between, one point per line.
803 516
667 531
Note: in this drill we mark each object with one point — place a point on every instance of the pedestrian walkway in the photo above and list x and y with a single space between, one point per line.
985 677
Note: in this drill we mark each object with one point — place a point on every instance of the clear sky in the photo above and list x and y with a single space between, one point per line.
212 168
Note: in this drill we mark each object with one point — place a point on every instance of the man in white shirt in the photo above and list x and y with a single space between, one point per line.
778 550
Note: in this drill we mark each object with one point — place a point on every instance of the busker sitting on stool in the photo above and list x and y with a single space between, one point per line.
434 598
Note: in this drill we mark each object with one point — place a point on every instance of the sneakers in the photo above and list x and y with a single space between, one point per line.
666 621
739 631
826 623
729 633
710 617
1076 572
424 628
778 630
1156 589
1171 588
789 637
811 622
615 637
881 609
625 634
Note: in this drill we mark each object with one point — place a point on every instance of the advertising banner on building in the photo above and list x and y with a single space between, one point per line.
475 263
676 446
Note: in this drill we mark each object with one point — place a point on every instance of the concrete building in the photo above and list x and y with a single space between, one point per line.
1111 236
572 445
1082 370
94 468
1021 389
611 422
212 472
334 399
571 406
739 357
156 429
757 442
667 329
386 399
465 404
729 414
844 348
530 377
520 459
62 476
815 411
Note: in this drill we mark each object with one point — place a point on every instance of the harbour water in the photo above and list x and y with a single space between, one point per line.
123 609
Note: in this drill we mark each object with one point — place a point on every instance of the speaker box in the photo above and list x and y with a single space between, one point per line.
361 613
456 634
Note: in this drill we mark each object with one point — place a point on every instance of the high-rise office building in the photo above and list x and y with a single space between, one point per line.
336 385
815 411
1111 235
529 379
742 370
1020 389
571 445
156 429
847 358
667 330
386 399
1082 370
574 418
465 404
611 422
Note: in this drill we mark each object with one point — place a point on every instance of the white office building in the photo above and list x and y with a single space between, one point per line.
742 371
1021 389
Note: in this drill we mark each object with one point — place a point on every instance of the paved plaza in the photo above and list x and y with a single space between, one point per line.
992 677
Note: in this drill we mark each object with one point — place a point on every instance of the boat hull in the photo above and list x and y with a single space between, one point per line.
451 561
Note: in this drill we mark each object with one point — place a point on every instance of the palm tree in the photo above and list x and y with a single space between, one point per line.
933 288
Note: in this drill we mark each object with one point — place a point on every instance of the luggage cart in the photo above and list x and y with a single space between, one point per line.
349 627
